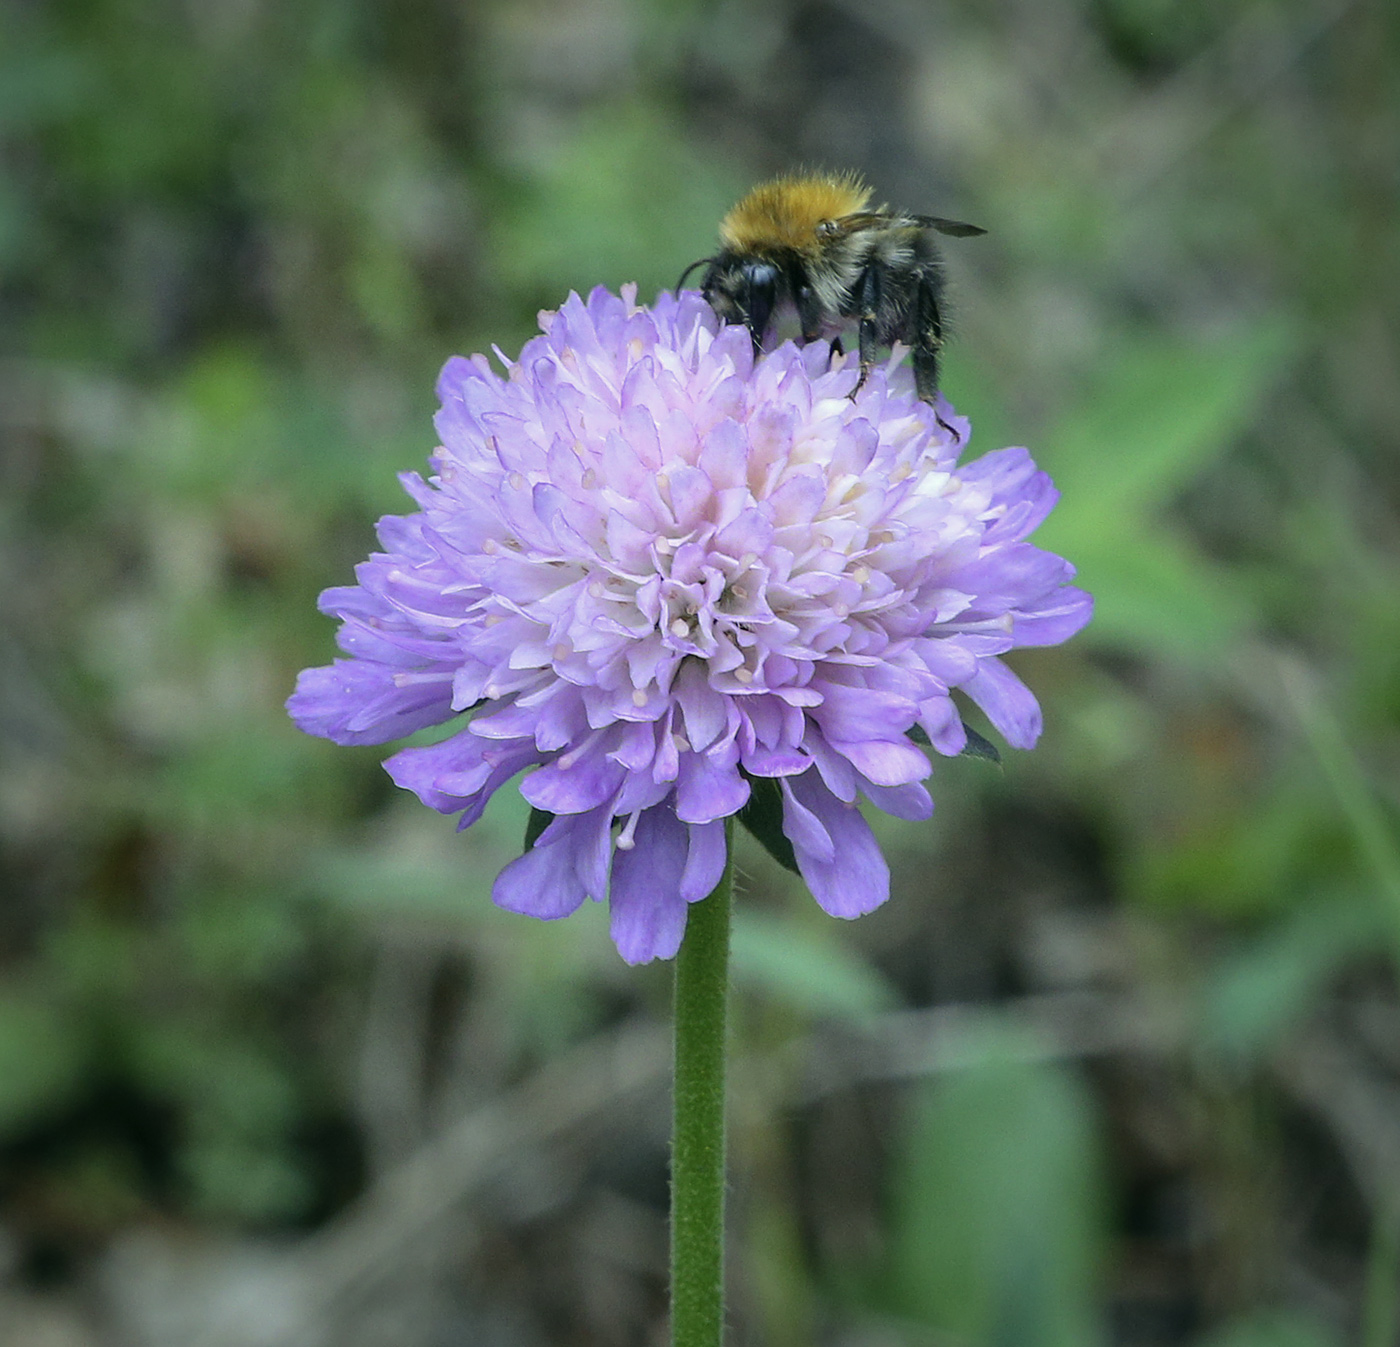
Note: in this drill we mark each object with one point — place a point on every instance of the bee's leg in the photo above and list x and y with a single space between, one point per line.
869 292
928 344
809 313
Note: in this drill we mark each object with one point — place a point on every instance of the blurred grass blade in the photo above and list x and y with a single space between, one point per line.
1274 1330
1380 1325
1257 995
807 969
997 1219
1374 835
1159 411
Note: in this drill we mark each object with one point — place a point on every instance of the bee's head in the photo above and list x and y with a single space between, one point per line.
743 290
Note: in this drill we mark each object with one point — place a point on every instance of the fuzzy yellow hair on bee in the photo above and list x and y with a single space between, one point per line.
785 212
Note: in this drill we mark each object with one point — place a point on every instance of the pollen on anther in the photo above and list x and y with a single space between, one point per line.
680 627
517 481
743 675
639 697
562 651
861 574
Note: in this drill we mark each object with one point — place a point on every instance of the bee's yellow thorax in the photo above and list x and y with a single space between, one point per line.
785 213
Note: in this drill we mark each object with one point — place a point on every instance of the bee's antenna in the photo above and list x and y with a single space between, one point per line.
702 262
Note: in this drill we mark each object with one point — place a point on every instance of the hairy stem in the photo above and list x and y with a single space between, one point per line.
697 1147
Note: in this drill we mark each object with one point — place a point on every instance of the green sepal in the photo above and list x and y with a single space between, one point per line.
540 819
978 747
763 817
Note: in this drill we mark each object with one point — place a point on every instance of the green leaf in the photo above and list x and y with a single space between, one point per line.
763 817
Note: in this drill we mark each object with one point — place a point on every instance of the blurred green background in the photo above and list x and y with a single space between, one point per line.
1120 1061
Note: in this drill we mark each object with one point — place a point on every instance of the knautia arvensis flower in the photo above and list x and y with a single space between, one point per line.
663 576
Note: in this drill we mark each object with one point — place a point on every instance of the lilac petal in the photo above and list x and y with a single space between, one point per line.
804 829
636 747
702 707
708 788
761 761
1057 621
750 532
570 787
1013 480
648 912
893 763
836 772
461 772
854 714
704 862
855 879
912 802
724 458
543 882
943 725
1008 575
1008 702
947 660
691 491
353 702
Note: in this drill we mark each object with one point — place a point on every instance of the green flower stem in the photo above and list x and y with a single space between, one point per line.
697 1146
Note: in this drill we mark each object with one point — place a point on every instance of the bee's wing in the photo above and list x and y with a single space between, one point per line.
849 224
954 227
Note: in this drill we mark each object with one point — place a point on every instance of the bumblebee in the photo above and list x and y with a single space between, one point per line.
810 244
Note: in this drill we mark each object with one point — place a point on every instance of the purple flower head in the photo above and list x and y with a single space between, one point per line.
675 582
